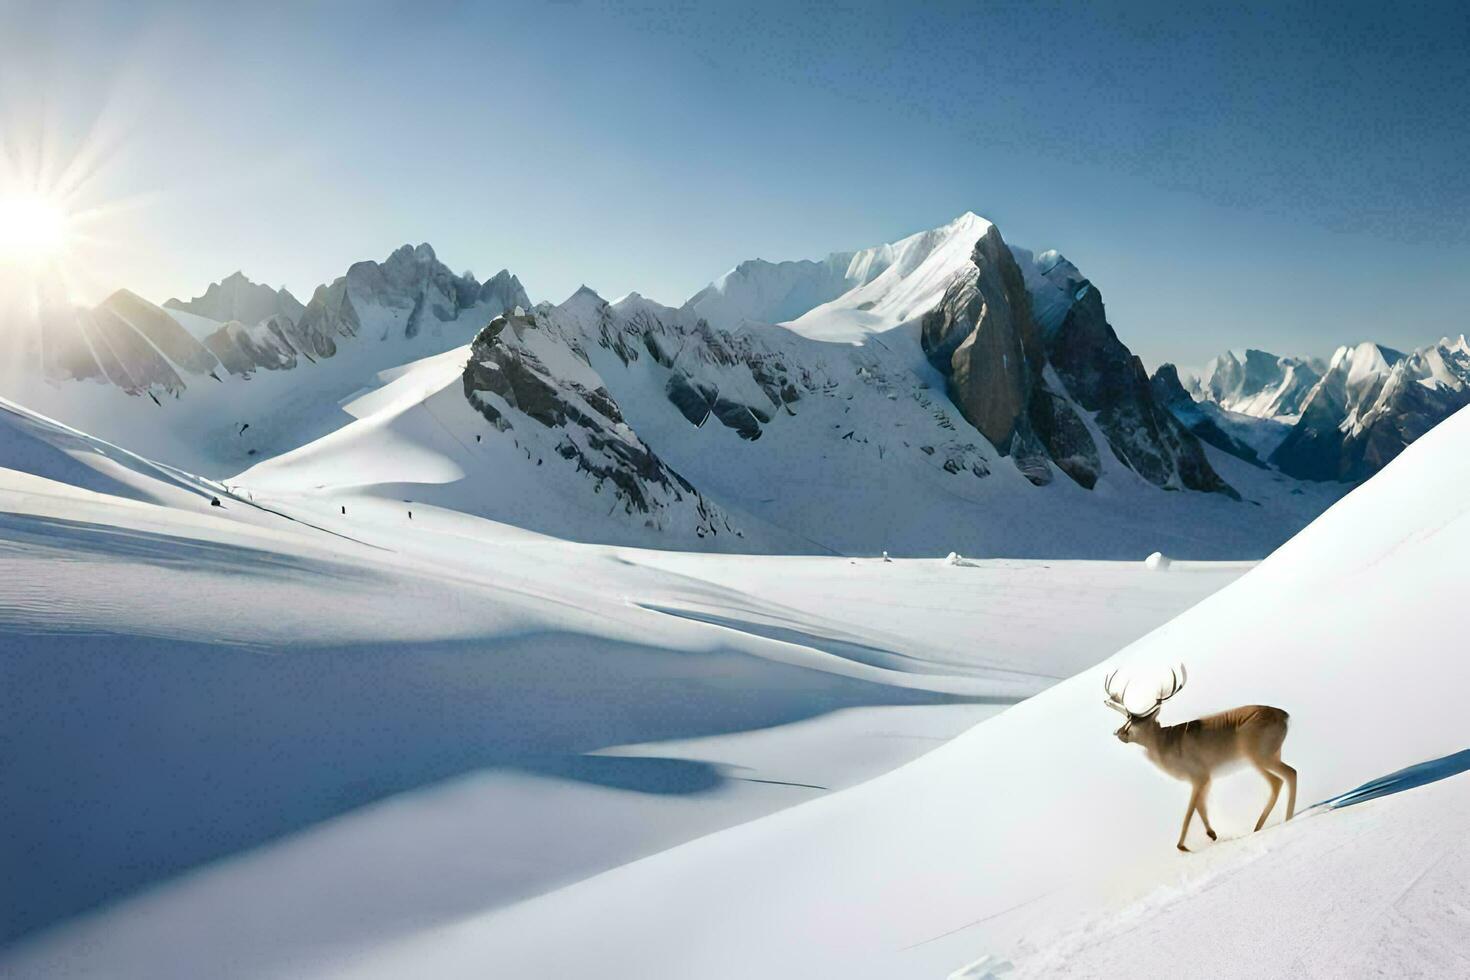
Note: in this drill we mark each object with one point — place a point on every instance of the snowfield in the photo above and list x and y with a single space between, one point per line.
290 736
1034 840
1036 834
356 748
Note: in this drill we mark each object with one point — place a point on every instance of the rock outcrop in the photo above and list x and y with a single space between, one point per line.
1021 383
507 381
1170 393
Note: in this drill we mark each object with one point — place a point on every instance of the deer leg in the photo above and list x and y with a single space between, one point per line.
1188 815
1289 774
1275 782
1203 791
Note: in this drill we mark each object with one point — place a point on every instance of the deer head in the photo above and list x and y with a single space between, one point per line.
1139 726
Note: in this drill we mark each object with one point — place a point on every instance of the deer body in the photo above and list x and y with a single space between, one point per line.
1195 750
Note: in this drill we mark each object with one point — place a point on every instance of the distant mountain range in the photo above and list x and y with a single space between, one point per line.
1343 420
947 391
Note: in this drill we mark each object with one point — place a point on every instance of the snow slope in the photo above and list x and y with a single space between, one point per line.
302 732
848 295
1015 833
898 282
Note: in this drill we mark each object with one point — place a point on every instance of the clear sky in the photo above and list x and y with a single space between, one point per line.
1275 176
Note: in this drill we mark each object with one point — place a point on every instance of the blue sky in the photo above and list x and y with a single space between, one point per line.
1282 177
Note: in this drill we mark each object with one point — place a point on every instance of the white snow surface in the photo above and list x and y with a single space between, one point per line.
899 282
1036 835
305 733
849 295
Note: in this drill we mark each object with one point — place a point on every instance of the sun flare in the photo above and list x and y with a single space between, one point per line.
33 228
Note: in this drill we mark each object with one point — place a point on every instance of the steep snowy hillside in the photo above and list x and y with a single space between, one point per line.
213 397
1039 828
424 718
895 283
770 292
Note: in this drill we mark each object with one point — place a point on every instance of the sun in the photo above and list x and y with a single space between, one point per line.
34 229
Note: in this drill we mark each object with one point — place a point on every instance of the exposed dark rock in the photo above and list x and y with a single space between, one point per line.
738 417
502 375
1169 392
1062 431
982 337
1105 378
694 400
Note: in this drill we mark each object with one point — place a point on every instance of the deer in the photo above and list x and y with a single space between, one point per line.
1195 750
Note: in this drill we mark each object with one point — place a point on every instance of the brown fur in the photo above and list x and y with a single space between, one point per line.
1195 750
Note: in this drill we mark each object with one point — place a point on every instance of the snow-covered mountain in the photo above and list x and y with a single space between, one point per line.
1360 410
1371 403
982 387
977 308
770 292
848 295
1256 383
637 423
213 396
236 298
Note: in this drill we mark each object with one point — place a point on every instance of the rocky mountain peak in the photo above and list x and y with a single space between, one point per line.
237 298
1022 385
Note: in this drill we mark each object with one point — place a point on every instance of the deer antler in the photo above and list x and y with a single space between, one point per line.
1177 682
1115 700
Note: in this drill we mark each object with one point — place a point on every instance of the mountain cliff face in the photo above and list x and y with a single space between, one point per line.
1022 384
1201 418
982 336
529 377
